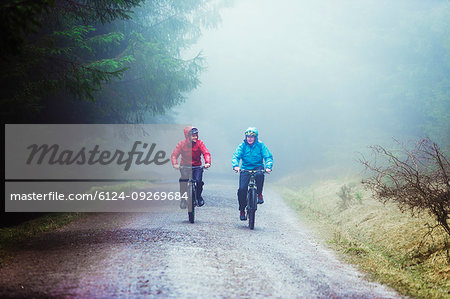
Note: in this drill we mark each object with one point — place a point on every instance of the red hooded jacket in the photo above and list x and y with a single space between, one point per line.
191 152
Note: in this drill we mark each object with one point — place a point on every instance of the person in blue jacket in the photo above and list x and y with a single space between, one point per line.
254 155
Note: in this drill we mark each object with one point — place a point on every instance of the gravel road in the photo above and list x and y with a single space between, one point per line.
161 254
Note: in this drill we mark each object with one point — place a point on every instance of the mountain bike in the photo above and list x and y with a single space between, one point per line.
192 200
252 197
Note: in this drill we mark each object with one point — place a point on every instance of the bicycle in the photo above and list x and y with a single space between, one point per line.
252 197
192 193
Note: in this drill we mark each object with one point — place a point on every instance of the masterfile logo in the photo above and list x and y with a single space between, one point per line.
90 151
53 155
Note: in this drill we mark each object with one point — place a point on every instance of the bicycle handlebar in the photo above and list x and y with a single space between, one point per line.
193 167
254 171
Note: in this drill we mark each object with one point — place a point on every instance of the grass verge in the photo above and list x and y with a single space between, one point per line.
12 238
394 248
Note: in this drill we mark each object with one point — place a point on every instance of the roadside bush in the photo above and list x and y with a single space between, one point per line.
348 196
417 180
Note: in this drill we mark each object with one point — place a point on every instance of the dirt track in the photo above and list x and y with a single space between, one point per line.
162 254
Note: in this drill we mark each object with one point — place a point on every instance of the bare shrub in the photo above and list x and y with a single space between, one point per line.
416 180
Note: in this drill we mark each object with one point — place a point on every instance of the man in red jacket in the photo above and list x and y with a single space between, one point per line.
191 149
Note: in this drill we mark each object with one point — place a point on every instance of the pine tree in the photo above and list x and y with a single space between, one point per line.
99 61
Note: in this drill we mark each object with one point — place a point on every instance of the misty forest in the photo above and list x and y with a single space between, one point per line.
320 80
335 88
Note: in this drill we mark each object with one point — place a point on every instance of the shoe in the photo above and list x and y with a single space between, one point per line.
243 217
200 201
260 199
183 203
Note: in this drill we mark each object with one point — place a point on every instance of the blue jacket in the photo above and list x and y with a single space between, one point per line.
252 156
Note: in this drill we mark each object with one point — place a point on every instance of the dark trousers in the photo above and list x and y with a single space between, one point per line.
244 179
196 174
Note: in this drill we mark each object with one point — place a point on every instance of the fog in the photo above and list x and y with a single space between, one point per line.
321 80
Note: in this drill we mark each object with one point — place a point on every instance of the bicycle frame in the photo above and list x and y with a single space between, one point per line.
252 201
192 193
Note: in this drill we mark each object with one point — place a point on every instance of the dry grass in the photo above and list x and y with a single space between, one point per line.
393 247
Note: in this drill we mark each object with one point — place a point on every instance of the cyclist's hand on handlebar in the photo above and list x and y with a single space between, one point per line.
268 170
176 166
237 169
207 165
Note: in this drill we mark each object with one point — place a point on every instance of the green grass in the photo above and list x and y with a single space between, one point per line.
12 238
394 248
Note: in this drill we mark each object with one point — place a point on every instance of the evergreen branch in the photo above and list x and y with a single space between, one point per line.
105 12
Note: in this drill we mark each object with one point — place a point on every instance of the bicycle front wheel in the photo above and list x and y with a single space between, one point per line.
251 219
192 203
251 208
191 216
